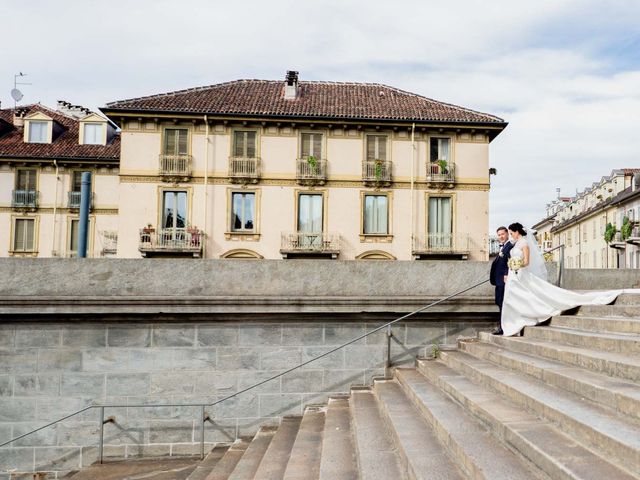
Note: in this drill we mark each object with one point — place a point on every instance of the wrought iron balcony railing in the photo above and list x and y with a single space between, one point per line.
634 238
311 170
73 200
376 171
171 240
24 198
618 242
442 244
310 243
437 173
244 169
175 165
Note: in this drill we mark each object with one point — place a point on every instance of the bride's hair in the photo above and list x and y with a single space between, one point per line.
517 227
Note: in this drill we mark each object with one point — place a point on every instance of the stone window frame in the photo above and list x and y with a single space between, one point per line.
253 235
36 236
377 237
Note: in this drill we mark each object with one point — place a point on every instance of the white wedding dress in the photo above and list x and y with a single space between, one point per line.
529 299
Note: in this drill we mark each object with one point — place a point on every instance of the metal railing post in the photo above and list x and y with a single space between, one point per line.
101 441
561 266
389 335
203 421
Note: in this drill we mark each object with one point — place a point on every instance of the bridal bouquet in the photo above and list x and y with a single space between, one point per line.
515 263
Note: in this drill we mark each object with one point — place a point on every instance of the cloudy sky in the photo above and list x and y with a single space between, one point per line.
564 74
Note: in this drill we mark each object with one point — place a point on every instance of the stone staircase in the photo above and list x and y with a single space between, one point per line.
560 402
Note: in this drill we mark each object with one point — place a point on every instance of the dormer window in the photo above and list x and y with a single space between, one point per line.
38 131
93 134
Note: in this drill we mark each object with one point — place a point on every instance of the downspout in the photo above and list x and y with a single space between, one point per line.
413 171
206 185
55 209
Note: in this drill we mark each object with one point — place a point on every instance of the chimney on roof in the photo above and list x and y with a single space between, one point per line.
18 116
75 111
291 85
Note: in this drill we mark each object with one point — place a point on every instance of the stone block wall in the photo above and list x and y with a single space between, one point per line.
49 370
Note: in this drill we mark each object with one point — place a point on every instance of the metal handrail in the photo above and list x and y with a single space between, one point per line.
560 262
202 406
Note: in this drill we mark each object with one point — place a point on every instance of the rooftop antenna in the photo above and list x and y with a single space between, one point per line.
15 93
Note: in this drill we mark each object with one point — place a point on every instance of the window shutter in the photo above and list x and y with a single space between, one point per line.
382 148
170 142
26 180
306 145
251 144
18 242
182 143
317 145
238 148
371 147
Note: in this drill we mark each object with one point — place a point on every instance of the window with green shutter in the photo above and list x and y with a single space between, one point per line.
176 141
376 147
244 143
311 145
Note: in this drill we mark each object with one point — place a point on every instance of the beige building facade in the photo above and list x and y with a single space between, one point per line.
43 153
266 169
579 223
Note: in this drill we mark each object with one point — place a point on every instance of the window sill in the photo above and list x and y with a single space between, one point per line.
23 254
242 236
375 238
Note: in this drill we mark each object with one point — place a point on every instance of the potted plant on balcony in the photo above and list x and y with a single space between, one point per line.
313 163
378 169
626 228
444 166
609 232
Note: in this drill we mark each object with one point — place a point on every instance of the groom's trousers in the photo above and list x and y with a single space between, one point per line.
499 296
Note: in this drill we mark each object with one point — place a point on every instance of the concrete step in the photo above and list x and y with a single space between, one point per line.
613 436
375 451
615 310
628 299
304 462
229 460
472 446
544 445
610 363
248 464
166 468
419 449
622 395
598 324
626 343
275 459
205 467
338 452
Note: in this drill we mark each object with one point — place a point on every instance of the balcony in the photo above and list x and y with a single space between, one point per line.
376 172
441 174
24 199
435 246
305 244
311 171
617 242
634 238
175 167
170 242
244 169
73 200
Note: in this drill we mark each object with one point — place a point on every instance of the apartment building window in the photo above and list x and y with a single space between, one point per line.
74 230
310 212
38 131
439 222
24 235
595 259
376 147
569 238
376 215
594 229
439 149
93 134
311 145
244 143
176 141
174 209
243 211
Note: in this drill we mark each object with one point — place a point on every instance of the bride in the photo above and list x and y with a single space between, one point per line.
528 298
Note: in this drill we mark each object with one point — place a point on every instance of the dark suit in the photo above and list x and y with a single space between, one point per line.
499 269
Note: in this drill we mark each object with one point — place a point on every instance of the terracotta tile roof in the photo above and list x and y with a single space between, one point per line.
333 100
64 146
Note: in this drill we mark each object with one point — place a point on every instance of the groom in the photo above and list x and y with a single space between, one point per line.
499 270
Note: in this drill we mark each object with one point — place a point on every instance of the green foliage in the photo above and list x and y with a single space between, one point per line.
313 163
444 166
435 350
378 169
609 232
626 228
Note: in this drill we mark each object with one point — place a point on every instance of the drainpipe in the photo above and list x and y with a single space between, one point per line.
206 184
55 209
85 200
413 171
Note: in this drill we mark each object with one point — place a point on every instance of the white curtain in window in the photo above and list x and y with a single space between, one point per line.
439 234
23 236
375 214
443 149
310 213
92 134
37 132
